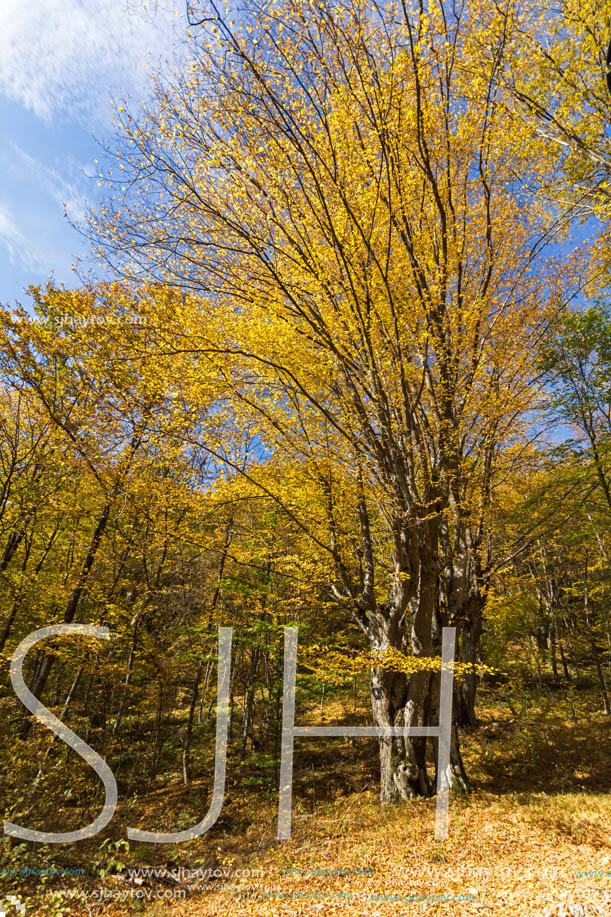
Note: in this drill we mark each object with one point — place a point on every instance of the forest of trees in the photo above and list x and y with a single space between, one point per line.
345 363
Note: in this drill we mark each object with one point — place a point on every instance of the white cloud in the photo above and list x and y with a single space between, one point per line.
8 228
70 57
68 193
20 251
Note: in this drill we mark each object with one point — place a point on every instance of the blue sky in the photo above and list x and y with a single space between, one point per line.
61 63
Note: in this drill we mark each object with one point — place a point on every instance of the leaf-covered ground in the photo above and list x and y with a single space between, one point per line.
529 853
534 838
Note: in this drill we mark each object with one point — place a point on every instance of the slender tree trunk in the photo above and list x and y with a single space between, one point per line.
466 689
186 752
9 624
73 603
128 677
65 708
552 650
458 774
247 728
595 653
157 736
565 666
13 541
15 606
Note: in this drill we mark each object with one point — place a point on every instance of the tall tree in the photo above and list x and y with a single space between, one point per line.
358 213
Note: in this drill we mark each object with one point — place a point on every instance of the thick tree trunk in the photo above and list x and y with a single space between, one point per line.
425 642
385 686
417 712
459 780
403 770
411 701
